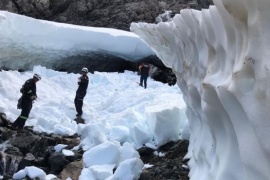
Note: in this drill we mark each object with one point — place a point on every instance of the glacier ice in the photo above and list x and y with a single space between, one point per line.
26 42
221 59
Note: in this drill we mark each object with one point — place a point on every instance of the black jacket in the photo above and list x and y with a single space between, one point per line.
145 70
83 84
29 88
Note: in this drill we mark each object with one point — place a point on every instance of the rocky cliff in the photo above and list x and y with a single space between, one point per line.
99 13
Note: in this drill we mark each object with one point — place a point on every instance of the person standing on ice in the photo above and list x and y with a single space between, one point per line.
81 92
144 71
29 94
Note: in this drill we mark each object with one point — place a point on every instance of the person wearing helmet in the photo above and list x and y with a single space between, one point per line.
29 94
81 91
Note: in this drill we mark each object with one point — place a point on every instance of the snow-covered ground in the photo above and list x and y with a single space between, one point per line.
120 116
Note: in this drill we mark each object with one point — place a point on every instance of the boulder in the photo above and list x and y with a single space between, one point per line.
3 119
57 161
72 170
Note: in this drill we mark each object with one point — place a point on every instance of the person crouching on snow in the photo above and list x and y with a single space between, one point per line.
81 91
28 96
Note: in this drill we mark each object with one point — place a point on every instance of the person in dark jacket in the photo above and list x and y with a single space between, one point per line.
81 91
144 71
28 96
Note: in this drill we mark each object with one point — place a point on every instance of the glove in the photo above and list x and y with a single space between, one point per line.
79 79
33 97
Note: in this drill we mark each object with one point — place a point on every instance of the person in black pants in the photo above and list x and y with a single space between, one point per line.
81 92
28 96
144 71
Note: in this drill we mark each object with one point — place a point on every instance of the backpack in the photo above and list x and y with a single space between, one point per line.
19 105
22 89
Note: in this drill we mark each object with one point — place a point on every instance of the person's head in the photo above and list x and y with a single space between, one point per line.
84 71
36 77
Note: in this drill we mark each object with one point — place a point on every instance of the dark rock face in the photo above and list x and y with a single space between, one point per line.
103 13
164 75
204 3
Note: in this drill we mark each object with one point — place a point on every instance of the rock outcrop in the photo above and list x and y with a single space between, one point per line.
170 166
25 147
104 13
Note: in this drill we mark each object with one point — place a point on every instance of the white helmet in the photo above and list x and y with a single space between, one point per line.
85 70
37 76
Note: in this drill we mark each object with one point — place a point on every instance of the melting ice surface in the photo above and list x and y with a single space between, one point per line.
221 59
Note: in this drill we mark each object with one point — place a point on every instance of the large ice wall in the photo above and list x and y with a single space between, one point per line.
221 57
25 42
